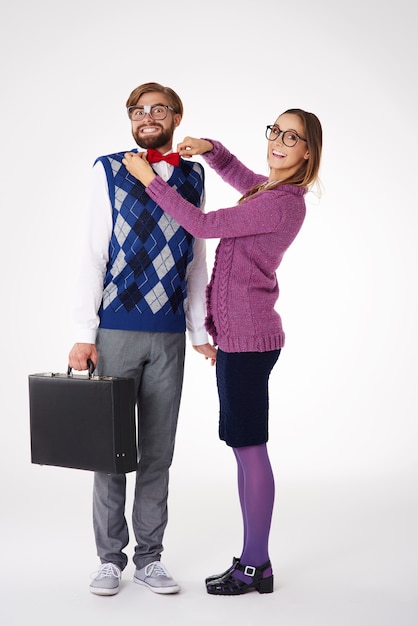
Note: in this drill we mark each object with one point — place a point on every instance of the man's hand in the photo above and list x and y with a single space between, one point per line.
208 351
80 352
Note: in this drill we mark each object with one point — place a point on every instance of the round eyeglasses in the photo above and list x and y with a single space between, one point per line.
155 111
289 137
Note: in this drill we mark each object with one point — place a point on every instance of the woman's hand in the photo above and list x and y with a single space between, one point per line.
137 164
191 146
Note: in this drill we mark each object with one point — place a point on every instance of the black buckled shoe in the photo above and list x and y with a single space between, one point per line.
213 577
228 585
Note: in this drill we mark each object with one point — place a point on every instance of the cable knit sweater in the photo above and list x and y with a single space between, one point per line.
254 235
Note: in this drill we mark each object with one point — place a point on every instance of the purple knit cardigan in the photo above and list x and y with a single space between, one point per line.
254 236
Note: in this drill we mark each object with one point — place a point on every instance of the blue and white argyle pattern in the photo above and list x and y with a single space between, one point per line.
149 251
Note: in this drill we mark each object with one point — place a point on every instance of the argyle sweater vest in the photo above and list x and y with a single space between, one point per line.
145 283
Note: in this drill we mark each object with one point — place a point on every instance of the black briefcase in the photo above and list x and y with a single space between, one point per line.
83 421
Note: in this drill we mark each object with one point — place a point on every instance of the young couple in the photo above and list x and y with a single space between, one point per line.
144 282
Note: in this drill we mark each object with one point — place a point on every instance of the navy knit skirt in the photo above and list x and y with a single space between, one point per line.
242 379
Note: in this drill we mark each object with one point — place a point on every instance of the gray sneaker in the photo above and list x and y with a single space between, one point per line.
156 577
106 580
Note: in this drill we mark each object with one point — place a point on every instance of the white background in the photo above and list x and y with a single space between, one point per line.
343 395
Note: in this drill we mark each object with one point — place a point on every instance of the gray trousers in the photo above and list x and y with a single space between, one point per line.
156 362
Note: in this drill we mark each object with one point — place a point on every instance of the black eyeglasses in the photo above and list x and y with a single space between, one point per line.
289 137
155 111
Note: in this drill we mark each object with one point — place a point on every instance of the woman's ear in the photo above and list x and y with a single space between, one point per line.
306 155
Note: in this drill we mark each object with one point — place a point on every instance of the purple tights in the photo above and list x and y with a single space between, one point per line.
256 494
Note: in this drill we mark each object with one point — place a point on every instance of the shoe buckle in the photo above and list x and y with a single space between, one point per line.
249 570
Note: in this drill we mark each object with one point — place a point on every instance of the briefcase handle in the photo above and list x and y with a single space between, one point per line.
91 367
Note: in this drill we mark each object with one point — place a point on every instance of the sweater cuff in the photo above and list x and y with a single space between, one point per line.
158 188
218 154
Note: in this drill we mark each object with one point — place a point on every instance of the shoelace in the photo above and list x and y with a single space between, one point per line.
107 570
156 569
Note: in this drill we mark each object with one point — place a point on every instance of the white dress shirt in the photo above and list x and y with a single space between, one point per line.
95 256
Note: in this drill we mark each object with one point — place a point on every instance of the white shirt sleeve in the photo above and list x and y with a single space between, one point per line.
93 258
195 303
196 276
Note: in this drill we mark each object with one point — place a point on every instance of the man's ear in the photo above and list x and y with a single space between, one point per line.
177 119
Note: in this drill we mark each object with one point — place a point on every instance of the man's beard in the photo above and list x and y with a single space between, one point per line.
155 141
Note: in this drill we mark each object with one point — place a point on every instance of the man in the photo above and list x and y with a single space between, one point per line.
142 284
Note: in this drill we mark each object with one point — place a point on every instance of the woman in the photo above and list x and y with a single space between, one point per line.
241 315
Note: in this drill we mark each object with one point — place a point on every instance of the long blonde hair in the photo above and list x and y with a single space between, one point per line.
307 174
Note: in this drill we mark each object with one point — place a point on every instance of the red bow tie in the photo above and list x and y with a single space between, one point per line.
154 156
